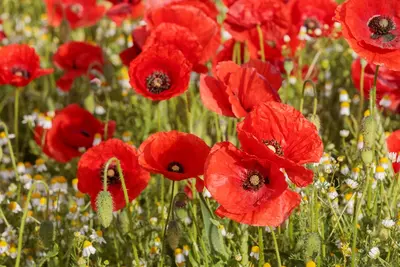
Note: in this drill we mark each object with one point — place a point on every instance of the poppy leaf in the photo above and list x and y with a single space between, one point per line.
217 242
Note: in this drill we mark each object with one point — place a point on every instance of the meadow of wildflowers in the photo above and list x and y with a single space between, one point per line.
200 133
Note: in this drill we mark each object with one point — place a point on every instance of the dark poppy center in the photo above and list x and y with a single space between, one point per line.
76 9
175 167
158 82
254 181
311 24
112 175
381 26
20 72
274 146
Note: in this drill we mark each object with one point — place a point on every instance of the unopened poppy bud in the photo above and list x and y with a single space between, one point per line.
104 206
367 155
124 222
65 31
313 245
173 234
315 120
46 233
288 65
369 131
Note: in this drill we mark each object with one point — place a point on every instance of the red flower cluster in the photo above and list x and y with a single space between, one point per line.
187 33
73 131
77 59
387 84
371 29
19 65
91 168
123 9
249 183
78 13
236 90
393 143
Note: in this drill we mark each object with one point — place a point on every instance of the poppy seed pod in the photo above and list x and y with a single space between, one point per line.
369 131
46 233
124 221
367 155
104 206
173 234
314 118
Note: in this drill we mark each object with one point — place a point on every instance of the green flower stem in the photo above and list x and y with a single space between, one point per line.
166 223
358 203
261 38
278 256
16 119
4 217
13 161
23 220
261 261
126 196
372 96
361 105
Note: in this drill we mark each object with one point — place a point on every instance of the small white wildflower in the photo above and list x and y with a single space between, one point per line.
344 133
388 223
351 183
374 253
255 252
97 236
88 249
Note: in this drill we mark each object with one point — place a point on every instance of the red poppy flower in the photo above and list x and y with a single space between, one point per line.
197 16
123 9
139 37
73 131
176 155
246 187
160 72
19 65
78 13
387 85
371 29
244 15
393 143
273 213
91 170
237 90
77 59
181 37
281 133
314 16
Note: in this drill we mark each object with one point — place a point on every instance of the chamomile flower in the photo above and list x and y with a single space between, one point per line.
388 223
9 234
27 180
374 253
345 109
97 236
154 251
385 102
3 246
126 136
384 162
80 198
343 96
75 184
222 230
28 168
86 216
21 168
73 213
97 139
99 110
360 143
14 207
344 169
355 173
255 252
29 119
311 264
12 251
186 250
4 138
380 173
332 193
88 249
179 257
40 165
206 193
153 220
351 183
